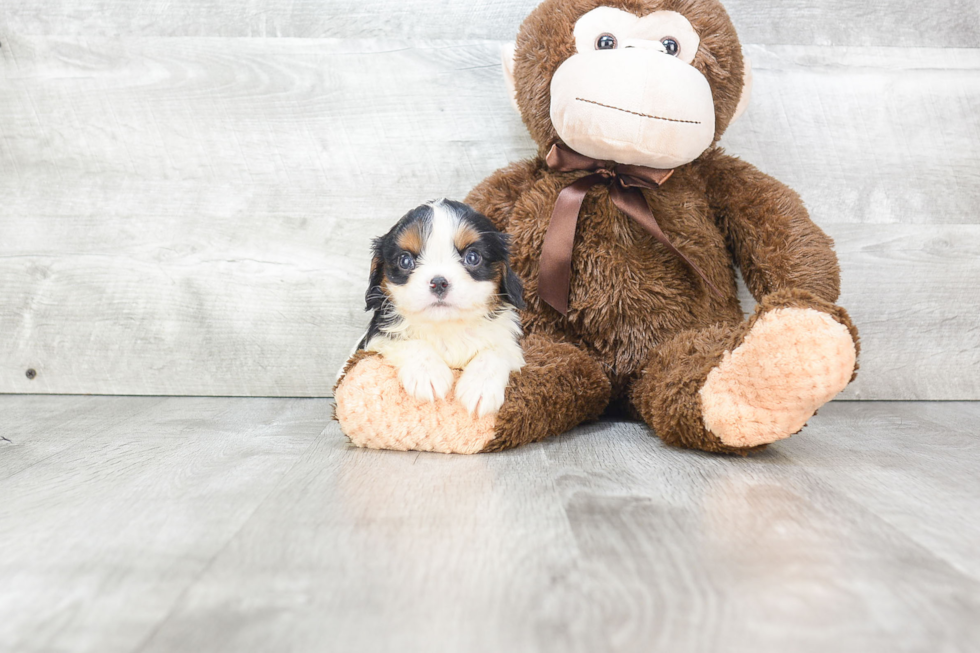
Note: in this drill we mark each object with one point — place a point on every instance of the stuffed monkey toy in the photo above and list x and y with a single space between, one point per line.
626 229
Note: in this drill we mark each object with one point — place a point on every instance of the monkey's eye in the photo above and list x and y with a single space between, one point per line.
406 261
472 258
673 47
606 42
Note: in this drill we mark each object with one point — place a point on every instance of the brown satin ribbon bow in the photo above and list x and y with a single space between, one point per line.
625 182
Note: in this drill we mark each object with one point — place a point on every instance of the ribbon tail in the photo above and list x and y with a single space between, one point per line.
554 276
631 202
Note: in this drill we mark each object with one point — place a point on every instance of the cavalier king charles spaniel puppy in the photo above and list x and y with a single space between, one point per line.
444 297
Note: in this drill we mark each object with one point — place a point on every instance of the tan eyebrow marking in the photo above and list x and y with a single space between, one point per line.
411 239
465 236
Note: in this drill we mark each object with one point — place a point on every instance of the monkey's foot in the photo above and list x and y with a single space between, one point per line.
790 363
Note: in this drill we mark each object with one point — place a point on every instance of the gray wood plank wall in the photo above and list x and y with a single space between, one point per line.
187 211
941 24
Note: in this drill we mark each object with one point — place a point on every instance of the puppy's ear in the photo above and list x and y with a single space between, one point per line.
375 296
512 288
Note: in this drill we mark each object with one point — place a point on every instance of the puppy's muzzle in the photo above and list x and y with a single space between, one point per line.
439 286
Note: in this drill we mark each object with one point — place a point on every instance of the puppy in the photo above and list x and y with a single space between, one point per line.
444 296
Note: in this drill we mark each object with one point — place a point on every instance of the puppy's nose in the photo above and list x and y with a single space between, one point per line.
439 286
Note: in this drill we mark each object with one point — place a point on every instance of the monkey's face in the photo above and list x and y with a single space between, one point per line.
630 94
644 82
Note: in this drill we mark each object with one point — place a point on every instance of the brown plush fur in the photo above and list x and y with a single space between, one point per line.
545 41
638 314
666 393
552 369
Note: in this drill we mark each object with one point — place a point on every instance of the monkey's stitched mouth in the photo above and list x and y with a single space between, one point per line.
636 113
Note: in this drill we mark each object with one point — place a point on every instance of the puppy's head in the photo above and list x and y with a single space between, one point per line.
443 261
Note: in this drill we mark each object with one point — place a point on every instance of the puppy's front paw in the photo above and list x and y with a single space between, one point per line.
481 387
426 379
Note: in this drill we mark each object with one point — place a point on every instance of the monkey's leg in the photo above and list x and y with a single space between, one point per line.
559 387
734 388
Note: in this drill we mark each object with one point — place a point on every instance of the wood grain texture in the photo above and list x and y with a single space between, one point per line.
106 534
192 216
251 525
868 135
945 23
37 428
912 291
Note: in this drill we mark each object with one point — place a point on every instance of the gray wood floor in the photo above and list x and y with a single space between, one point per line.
148 524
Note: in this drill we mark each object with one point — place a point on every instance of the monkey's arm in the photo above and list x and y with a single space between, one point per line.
495 196
774 242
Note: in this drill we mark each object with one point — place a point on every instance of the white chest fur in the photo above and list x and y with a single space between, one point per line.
456 342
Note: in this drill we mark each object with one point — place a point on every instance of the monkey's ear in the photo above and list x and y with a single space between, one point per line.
374 298
507 51
743 100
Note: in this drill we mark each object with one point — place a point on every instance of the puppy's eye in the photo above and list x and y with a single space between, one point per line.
472 258
406 261
605 42
673 47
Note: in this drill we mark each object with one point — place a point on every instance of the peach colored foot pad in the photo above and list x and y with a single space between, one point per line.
375 412
791 362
